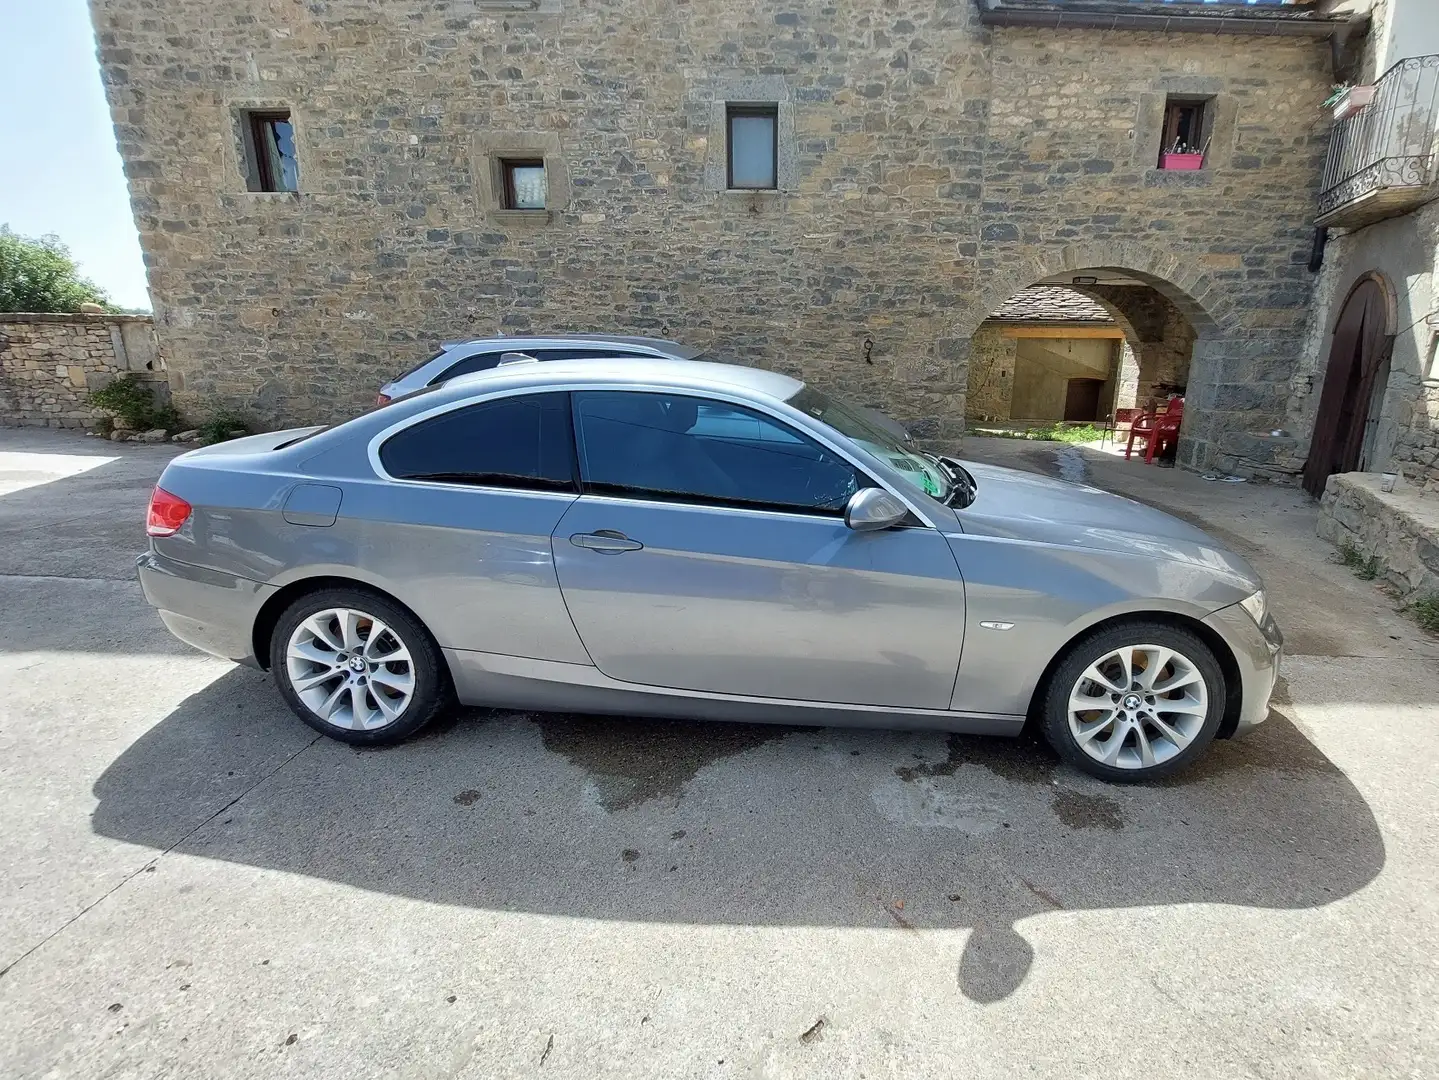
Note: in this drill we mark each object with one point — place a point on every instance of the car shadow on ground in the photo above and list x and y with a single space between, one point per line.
697 823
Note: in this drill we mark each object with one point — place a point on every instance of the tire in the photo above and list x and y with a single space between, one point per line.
386 677
1162 732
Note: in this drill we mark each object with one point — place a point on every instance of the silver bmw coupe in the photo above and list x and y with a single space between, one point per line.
684 539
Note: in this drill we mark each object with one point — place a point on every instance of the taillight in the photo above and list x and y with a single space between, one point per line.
167 513
382 399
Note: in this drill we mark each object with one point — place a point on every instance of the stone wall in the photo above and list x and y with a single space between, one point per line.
1416 448
1163 338
930 168
50 363
1399 528
991 374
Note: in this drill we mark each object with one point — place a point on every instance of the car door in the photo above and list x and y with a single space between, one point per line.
458 522
708 552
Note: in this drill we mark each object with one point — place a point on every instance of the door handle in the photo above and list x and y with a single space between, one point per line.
606 542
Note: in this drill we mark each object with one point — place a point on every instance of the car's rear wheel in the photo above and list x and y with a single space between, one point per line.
1133 702
357 667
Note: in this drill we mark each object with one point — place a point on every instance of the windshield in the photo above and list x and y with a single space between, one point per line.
922 470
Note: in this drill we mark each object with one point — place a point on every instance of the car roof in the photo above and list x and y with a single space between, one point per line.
520 341
641 371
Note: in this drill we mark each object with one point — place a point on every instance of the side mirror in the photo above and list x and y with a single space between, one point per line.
872 509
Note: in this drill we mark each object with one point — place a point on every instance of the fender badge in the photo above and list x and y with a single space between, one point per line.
990 625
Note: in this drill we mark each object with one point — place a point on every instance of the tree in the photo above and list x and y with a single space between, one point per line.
40 275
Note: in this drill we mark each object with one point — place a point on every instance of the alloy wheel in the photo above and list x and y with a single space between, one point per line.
350 669
1138 706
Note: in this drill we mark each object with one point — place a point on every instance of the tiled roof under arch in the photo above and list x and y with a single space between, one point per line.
1051 304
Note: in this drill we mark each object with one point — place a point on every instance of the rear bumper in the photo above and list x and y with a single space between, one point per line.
213 611
1257 653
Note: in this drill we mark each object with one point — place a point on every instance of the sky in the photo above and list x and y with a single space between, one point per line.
59 170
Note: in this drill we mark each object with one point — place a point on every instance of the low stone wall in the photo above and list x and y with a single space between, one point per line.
1400 527
50 363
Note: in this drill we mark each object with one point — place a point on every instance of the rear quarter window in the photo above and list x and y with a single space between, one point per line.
517 442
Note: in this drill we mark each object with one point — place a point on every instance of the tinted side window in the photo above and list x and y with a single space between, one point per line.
519 442
478 362
692 450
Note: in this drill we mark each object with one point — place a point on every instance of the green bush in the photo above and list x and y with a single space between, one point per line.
1055 431
133 401
222 425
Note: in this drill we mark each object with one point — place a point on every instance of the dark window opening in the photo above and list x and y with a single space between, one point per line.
1186 133
270 141
524 184
753 142
515 442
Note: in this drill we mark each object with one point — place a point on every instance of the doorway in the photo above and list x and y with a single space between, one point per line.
1358 358
1081 399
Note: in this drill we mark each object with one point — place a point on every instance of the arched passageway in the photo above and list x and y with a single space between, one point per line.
1186 328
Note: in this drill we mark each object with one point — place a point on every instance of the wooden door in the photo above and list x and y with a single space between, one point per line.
1081 399
1360 347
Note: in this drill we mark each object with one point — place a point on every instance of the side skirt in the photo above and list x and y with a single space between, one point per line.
514 682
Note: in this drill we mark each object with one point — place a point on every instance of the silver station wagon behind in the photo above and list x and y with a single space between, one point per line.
699 540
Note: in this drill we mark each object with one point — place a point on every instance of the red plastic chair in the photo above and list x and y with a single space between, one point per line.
1141 428
1165 435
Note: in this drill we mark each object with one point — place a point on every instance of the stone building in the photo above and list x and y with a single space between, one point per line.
1366 392
846 192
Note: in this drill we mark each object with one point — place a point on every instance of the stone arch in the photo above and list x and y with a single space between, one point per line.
1386 289
1217 381
1193 291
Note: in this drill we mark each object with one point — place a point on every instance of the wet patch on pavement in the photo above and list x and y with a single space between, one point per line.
632 761
1027 760
1081 811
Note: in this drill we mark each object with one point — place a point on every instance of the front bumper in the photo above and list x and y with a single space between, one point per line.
213 611
1257 653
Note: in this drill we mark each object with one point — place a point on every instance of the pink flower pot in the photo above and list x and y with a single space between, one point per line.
1181 161
1352 100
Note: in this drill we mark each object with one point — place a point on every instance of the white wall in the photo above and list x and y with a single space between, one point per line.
1406 28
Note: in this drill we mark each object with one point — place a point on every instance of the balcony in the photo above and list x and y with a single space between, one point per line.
1382 158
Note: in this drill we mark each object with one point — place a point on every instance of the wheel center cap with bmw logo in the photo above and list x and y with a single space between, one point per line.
357 663
1131 701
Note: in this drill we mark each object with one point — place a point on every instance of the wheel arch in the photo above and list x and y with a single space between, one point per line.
268 617
1233 686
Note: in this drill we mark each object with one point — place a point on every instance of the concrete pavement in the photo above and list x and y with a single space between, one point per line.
197 886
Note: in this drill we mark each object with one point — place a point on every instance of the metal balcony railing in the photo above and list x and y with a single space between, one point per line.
1381 158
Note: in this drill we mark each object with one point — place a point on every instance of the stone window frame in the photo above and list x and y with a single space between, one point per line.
724 91
1221 120
490 151
735 110
242 114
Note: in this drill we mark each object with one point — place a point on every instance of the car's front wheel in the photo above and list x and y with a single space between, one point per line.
357 667
1135 701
